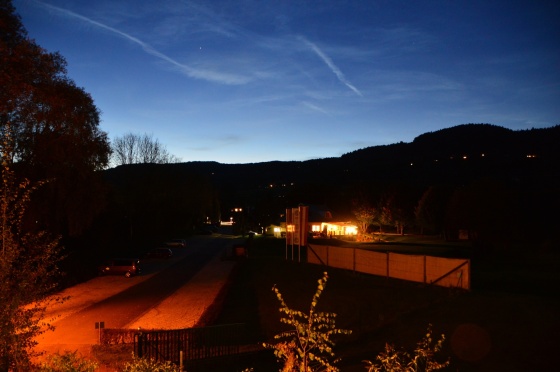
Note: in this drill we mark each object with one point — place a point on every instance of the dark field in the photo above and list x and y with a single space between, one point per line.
508 322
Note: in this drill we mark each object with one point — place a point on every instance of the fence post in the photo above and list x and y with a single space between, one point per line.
469 275
140 350
387 255
425 278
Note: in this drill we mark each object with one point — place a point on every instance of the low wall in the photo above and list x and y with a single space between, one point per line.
441 271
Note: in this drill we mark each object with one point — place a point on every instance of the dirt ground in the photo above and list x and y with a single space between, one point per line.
183 309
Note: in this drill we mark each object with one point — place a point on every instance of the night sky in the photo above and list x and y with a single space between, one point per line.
254 81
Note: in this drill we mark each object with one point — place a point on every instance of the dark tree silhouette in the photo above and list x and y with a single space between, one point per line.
55 128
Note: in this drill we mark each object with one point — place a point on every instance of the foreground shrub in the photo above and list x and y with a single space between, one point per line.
400 361
308 346
149 365
67 362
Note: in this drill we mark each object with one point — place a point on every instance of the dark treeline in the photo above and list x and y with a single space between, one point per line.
500 185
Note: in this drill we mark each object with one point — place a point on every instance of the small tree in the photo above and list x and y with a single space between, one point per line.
27 269
365 216
140 149
308 346
423 359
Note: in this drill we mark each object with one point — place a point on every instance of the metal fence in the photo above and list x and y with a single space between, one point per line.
441 271
184 345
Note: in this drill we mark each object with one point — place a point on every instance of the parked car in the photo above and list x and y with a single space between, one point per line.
160 252
179 243
121 266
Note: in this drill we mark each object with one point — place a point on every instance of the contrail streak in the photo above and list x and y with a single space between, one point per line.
213 76
328 61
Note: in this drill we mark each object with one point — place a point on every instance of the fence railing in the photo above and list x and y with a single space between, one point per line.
441 271
190 343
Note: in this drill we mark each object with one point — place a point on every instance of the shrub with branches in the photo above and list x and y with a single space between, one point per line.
149 365
67 362
394 360
308 346
28 267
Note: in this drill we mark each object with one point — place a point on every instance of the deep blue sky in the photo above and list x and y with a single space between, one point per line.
250 81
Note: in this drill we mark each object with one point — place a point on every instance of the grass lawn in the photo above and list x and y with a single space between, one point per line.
508 322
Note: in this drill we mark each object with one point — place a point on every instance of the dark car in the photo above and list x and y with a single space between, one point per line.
121 266
179 243
160 252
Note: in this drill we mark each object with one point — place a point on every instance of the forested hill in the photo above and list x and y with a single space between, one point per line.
468 140
150 199
453 155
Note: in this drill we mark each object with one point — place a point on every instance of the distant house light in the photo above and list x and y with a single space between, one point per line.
351 230
464 157
531 156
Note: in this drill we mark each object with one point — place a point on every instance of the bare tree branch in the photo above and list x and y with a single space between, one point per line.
140 149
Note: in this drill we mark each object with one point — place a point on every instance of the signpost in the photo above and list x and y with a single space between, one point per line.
100 326
296 229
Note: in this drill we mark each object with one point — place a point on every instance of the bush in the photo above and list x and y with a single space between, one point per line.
400 361
149 365
67 362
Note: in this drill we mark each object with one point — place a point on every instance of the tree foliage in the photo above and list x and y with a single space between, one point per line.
364 211
55 127
140 149
155 199
431 209
307 346
489 210
28 269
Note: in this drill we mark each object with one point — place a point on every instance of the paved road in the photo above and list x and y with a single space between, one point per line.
120 309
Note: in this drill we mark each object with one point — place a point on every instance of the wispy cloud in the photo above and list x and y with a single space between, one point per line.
314 107
329 62
195 73
227 140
